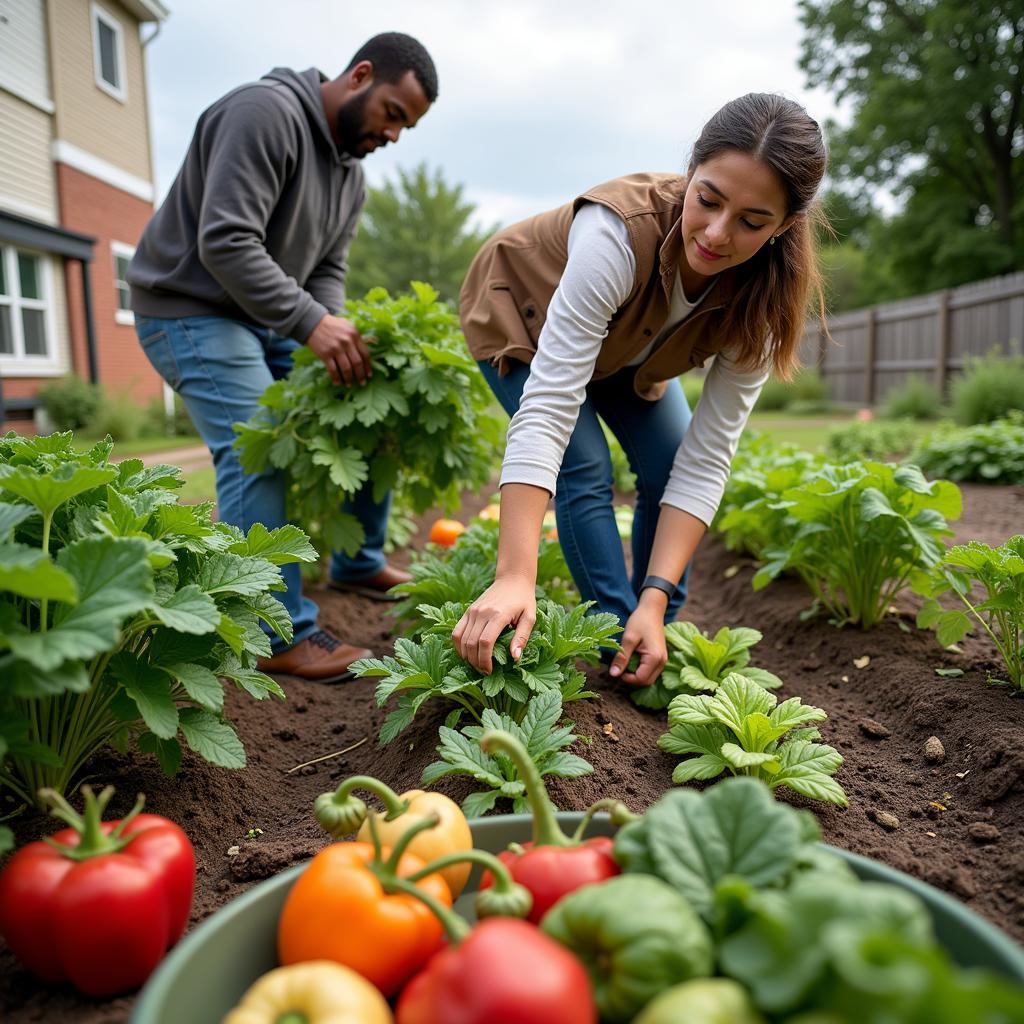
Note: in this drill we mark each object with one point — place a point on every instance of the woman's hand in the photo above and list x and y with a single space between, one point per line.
504 602
645 635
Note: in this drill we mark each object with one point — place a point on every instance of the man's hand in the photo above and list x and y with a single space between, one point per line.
645 635
342 349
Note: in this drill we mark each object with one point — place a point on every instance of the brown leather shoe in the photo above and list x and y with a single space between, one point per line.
375 587
320 658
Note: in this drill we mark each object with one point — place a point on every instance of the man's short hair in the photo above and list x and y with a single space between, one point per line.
392 54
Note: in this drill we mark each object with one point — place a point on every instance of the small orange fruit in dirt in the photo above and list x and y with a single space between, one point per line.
446 531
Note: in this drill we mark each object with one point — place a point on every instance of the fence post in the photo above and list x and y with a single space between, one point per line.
942 353
869 359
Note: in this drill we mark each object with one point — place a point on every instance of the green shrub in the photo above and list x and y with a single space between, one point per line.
877 440
989 452
916 399
119 416
805 394
159 424
693 387
989 388
71 403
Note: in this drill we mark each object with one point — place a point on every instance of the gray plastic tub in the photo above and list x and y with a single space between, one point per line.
206 974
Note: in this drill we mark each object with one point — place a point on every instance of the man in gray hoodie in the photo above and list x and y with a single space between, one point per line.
245 260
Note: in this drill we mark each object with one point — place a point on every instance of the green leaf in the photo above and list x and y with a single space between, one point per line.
114 581
29 572
49 490
211 738
167 752
227 573
188 610
199 683
25 679
478 804
150 688
282 546
346 466
12 516
807 768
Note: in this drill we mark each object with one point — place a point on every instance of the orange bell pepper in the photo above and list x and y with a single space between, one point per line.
340 909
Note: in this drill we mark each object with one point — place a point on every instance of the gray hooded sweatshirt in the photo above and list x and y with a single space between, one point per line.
258 222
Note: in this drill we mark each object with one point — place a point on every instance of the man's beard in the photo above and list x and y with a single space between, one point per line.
353 138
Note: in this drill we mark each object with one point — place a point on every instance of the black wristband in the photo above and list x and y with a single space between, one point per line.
659 583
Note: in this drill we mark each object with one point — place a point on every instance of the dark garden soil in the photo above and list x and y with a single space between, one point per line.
954 817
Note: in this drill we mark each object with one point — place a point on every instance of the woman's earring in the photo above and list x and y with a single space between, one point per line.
771 241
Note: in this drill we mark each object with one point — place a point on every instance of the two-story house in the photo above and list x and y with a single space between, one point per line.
76 190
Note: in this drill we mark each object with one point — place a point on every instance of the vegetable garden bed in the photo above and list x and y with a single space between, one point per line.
956 822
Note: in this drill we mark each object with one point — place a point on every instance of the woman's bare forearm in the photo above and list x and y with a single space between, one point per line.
522 515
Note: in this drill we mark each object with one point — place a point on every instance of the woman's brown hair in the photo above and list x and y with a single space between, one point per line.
780 280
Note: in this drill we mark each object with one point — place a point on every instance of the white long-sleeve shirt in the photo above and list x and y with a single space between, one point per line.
598 278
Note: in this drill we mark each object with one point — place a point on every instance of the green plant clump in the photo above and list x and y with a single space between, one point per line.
70 402
121 612
999 572
419 672
697 663
988 453
989 389
916 399
741 728
865 531
420 427
462 572
878 440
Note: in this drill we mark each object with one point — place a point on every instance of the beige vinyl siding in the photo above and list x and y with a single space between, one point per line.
27 183
88 117
23 61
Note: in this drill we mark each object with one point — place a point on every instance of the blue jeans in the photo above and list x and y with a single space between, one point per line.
650 433
221 367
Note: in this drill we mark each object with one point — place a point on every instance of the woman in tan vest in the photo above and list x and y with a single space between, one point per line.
593 310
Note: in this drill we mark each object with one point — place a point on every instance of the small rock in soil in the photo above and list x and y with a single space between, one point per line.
308 769
963 884
982 832
888 821
874 729
934 751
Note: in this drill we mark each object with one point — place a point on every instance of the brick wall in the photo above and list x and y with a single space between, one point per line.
95 208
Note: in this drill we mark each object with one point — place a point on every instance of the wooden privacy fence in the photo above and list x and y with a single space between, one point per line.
876 350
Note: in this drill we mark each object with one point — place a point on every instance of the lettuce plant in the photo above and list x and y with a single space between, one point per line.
121 612
866 530
540 734
999 572
697 662
741 728
460 573
991 453
420 427
432 669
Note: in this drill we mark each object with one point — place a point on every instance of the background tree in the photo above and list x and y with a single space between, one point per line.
415 229
936 89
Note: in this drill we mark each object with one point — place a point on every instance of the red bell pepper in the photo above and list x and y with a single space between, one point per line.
553 864
504 970
98 903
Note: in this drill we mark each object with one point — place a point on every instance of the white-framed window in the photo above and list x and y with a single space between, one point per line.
122 255
27 342
108 53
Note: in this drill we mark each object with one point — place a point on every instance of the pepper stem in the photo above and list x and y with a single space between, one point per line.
92 841
620 815
502 878
430 821
388 797
546 831
455 927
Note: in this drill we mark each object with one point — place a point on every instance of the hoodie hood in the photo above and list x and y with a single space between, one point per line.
306 86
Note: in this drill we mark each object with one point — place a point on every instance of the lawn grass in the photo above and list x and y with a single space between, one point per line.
199 486
140 446
810 432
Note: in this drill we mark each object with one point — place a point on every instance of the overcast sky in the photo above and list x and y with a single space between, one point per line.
538 100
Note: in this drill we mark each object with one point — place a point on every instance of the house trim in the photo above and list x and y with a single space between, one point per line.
67 153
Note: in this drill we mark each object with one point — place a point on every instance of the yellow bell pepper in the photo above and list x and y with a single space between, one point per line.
342 813
314 992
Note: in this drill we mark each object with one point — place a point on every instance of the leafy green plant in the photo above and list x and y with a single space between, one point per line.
915 399
741 728
875 439
697 663
462 572
749 516
432 669
121 612
538 731
987 453
866 531
623 478
999 572
989 388
420 427
71 402
806 393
